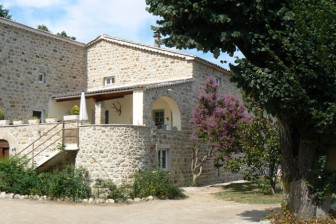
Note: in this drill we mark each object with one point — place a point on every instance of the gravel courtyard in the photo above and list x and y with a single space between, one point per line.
201 207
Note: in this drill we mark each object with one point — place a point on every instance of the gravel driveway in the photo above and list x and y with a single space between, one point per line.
200 208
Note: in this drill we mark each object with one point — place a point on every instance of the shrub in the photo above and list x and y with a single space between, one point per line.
74 110
156 183
15 177
110 189
67 183
2 115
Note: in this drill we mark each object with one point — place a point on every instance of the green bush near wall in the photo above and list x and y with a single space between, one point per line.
15 178
73 183
146 183
2 115
70 182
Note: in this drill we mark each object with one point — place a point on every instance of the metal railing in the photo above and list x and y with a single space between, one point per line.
31 154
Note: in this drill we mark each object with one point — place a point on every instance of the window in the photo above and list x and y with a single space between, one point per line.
41 77
109 80
158 118
106 116
218 81
38 114
163 161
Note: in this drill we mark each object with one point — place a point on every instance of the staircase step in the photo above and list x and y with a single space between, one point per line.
71 147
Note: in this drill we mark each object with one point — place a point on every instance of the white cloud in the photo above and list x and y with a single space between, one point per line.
87 19
117 17
32 3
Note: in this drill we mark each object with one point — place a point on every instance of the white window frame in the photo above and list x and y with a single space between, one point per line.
108 81
160 151
218 81
41 77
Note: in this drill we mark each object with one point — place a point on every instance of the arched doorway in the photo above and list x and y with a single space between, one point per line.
4 149
165 113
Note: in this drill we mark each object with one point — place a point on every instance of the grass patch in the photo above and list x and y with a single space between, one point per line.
247 193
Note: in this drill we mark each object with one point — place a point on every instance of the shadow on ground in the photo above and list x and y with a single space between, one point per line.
255 215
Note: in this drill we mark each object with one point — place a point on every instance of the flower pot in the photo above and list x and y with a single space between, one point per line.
4 122
17 122
70 117
51 120
33 121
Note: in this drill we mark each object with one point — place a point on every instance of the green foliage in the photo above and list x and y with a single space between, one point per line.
259 152
74 110
146 183
4 13
112 190
43 27
156 183
296 81
64 34
326 181
2 115
15 177
289 64
68 182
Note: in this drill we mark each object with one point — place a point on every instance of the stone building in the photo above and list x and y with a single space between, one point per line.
139 100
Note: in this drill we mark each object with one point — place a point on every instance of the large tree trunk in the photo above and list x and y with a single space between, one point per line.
299 158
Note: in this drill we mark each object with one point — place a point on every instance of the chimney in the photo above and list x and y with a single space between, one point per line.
156 39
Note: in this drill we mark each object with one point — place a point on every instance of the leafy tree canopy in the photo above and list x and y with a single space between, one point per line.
4 13
289 69
43 27
289 48
64 34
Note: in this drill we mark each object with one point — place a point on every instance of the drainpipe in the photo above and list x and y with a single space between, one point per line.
157 37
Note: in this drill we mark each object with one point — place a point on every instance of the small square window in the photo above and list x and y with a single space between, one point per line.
109 80
41 77
38 114
163 161
218 81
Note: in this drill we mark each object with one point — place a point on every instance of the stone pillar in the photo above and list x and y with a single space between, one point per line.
99 112
138 107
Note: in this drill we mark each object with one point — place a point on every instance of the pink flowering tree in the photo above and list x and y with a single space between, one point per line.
215 121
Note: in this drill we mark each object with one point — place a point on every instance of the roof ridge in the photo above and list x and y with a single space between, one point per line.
150 46
38 31
166 51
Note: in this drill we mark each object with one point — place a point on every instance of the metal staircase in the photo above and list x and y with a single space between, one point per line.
53 149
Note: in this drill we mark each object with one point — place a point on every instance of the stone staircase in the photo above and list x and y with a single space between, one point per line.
53 149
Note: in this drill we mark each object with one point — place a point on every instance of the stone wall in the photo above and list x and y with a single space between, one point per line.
115 151
25 54
180 93
131 65
19 137
201 72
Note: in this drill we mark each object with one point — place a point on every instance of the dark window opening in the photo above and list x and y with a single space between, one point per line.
106 116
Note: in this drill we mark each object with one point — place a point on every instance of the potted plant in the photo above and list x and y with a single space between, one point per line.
74 114
3 121
34 120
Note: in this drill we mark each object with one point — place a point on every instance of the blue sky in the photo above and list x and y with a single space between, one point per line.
87 19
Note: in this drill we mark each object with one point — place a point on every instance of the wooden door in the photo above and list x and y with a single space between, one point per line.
4 149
